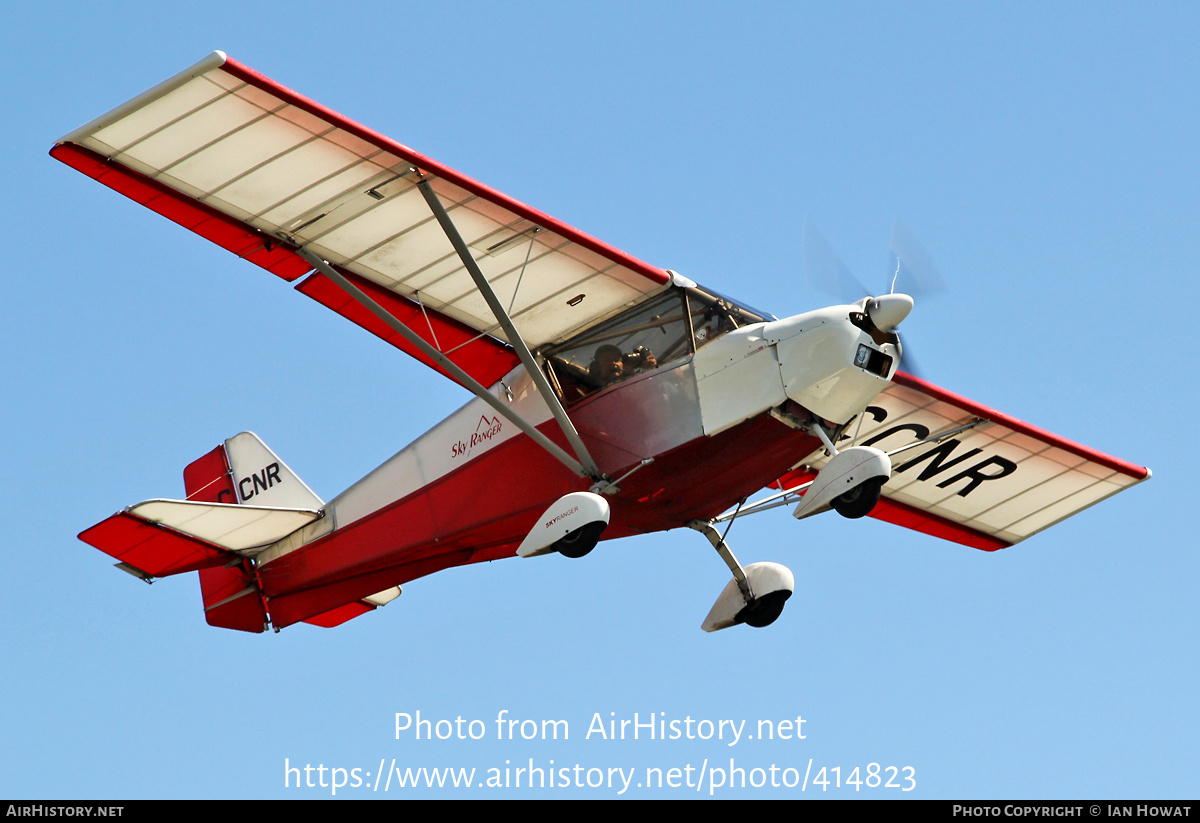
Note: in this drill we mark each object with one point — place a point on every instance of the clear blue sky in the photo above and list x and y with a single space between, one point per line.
1044 153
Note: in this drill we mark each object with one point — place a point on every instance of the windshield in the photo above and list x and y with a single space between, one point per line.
713 315
660 331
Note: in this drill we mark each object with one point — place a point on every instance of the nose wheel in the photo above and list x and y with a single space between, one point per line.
765 610
756 594
859 501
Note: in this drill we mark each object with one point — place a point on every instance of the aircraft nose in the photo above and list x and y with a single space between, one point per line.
889 311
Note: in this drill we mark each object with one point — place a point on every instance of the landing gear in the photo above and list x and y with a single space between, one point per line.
764 611
579 542
571 526
859 501
850 483
756 594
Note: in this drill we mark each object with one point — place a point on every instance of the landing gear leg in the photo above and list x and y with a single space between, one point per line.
755 596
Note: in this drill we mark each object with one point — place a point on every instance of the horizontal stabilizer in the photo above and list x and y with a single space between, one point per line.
151 550
237 528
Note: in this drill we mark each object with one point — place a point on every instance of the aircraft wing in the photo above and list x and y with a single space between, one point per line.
988 486
262 171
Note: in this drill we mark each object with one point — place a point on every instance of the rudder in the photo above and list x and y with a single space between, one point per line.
232 599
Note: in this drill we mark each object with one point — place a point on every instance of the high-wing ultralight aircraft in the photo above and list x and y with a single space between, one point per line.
613 397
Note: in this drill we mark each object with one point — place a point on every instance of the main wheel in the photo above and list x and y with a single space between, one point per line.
764 610
859 501
581 541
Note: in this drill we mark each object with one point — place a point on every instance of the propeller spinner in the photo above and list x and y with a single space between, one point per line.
888 312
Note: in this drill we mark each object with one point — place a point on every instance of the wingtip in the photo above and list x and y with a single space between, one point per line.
211 61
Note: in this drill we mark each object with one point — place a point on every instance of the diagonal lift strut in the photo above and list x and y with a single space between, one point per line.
510 330
473 385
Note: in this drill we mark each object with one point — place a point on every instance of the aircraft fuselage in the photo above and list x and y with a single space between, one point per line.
472 487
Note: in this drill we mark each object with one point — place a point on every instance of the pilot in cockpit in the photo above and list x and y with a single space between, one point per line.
610 365
607 366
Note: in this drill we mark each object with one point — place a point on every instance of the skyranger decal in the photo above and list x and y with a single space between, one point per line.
568 513
487 429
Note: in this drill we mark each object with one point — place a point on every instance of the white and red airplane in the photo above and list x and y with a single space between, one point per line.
611 397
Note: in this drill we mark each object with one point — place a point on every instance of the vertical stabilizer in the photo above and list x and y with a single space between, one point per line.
260 478
232 599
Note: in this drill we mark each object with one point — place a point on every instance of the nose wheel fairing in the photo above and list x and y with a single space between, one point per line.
850 484
756 594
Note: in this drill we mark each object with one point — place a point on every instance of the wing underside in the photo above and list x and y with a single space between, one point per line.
262 171
992 482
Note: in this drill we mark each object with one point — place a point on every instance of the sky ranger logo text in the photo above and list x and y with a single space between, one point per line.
567 513
487 429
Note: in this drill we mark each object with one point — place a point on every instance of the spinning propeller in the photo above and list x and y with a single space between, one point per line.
911 271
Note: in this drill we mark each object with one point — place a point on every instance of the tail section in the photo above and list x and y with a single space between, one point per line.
255 476
241 498
242 471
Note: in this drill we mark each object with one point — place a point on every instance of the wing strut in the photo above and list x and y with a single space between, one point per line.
506 323
473 385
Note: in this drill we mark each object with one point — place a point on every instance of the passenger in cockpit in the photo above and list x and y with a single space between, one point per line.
607 366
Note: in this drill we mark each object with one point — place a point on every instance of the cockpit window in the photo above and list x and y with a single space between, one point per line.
713 315
665 329
638 341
